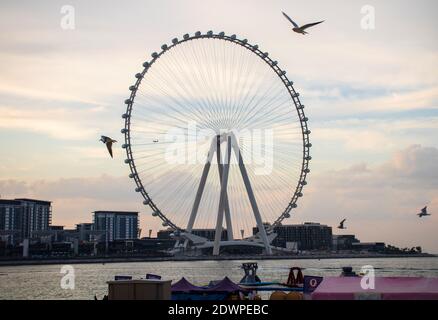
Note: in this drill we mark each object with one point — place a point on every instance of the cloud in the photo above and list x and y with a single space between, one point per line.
56 123
74 199
380 202
58 116
103 188
365 139
415 167
392 101
374 134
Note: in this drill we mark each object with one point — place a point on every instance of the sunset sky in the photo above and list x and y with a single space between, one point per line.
371 97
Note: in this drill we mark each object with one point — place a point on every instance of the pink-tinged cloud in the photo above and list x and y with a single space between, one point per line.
380 202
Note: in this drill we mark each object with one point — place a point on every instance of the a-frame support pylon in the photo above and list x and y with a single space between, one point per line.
224 208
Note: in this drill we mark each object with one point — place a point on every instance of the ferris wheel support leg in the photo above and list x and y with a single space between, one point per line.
227 204
251 197
223 198
200 189
228 220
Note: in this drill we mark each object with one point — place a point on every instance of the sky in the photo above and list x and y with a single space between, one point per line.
371 97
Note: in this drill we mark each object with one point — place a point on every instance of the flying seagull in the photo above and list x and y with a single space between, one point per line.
156 140
423 212
109 144
301 29
341 225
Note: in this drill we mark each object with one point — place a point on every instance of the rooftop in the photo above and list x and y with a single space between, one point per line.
116 212
368 244
35 201
305 224
9 202
56 227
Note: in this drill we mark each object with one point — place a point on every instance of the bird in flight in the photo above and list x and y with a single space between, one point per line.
109 144
341 225
301 29
423 213
155 140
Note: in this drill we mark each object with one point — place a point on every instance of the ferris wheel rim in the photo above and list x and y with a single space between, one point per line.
305 132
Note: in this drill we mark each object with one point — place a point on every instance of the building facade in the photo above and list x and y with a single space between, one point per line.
164 234
116 225
344 241
85 231
37 216
210 233
369 246
205 233
307 236
11 221
22 218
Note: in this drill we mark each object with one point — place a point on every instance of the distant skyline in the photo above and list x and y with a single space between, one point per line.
371 97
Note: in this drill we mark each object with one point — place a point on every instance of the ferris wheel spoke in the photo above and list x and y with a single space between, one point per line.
261 77
169 92
274 104
272 122
254 104
203 105
240 76
213 63
152 104
169 189
204 85
175 114
266 194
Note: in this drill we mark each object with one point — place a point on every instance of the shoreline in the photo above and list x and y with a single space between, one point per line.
30 262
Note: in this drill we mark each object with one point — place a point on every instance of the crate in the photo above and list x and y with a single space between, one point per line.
150 289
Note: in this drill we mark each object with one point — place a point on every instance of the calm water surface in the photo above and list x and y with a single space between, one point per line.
43 282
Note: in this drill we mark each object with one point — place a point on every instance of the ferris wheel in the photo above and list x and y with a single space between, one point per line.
216 138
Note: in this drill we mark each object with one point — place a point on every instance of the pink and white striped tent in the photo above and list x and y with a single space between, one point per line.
386 288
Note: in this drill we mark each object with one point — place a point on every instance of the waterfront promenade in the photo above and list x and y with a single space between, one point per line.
127 259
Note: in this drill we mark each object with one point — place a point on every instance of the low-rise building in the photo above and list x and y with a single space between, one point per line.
85 231
369 246
116 225
344 241
307 236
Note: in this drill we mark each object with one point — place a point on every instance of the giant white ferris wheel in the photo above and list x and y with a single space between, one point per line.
216 138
